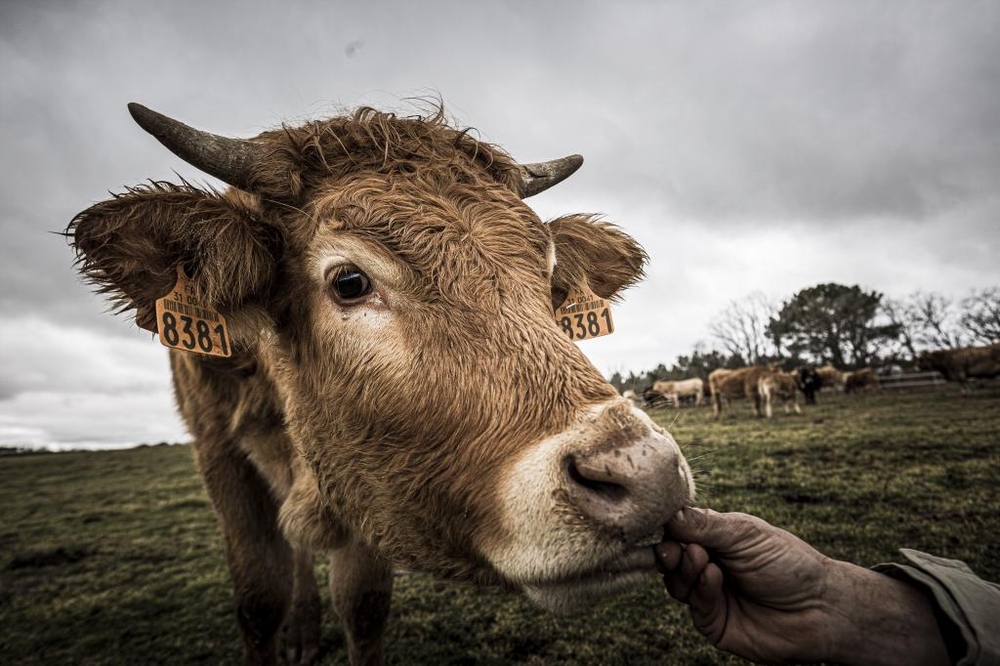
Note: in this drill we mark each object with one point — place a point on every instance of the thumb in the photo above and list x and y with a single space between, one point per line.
712 530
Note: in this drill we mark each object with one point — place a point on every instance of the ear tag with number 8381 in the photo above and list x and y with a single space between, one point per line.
584 315
184 323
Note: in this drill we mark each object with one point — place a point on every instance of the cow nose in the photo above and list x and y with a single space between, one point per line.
633 488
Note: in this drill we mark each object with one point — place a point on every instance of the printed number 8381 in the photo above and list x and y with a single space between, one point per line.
581 325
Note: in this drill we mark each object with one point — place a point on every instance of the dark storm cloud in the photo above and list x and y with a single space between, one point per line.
732 113
807 111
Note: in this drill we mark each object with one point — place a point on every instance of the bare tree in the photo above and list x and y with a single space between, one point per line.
937 316
742 328
981 315
925 320
899 313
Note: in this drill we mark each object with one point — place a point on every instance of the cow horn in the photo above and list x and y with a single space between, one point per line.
229 160
540 176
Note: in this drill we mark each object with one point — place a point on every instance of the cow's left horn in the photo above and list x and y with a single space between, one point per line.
229 160
540 176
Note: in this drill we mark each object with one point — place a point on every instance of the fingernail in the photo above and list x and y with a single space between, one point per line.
679 516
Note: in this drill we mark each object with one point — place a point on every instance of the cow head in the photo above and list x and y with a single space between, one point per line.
388 273
650 395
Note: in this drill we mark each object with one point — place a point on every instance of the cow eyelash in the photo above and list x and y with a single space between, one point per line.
349 285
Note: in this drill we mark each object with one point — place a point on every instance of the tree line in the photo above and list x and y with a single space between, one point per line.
846 326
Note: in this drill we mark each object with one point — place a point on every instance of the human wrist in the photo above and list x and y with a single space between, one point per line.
875 619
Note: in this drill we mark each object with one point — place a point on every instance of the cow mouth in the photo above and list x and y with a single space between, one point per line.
582 588
640 559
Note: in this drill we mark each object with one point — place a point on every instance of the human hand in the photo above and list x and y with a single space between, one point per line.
766 595
758 595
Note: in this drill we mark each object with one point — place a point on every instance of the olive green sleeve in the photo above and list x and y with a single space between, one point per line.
967 607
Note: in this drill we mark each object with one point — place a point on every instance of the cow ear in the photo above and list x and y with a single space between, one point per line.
130 246
597 253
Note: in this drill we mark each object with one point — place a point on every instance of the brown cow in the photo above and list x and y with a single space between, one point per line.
374 271
830 377
783 386
961 365
860 380
738 383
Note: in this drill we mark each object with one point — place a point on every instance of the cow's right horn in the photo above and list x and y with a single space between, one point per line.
229 160
540 176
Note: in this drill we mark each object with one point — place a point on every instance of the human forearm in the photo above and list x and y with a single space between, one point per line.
876 620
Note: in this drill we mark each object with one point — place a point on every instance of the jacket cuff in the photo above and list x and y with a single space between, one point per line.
966 606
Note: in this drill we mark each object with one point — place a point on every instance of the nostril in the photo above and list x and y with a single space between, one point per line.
590 479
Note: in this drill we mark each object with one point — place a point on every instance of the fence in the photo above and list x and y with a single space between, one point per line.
911 380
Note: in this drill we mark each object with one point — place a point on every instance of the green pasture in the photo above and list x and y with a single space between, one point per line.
113 557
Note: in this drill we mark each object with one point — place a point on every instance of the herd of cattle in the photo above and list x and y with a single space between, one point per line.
767 385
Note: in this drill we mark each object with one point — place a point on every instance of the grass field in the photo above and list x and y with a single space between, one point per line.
113 557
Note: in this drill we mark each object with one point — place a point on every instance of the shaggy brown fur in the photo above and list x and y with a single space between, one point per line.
581 241
130 246
371 440
370 141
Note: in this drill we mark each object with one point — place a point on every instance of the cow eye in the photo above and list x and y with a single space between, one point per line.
349 285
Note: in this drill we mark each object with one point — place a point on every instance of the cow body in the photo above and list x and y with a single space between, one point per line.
674 391
726 384
775 386
961 365
811 380
809 383
863 380
830 377
374 270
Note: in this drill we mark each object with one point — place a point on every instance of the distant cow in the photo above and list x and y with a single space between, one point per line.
650 396
961 365
860 380
830 377
689 388
675 391
631 396
392 388
809 383
739 383
783 386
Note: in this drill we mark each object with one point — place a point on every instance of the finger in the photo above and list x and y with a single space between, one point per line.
681 581
715 531
668 555
708 604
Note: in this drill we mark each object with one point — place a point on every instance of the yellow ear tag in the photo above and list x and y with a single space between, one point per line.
584 315
184 324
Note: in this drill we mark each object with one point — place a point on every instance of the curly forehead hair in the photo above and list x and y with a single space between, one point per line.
374 141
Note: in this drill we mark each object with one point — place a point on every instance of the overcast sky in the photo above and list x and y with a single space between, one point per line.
747 145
